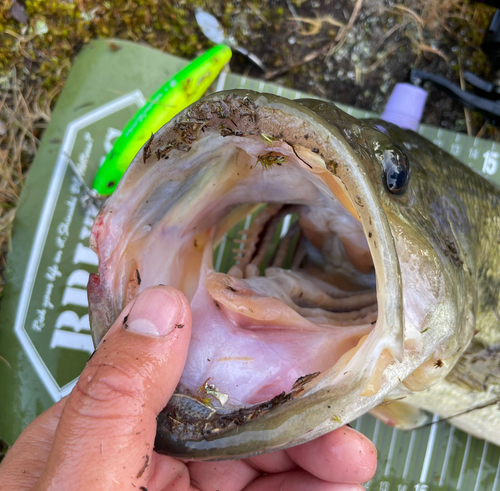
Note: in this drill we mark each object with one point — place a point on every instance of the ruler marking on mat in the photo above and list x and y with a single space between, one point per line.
429 450
481 466
497 475
286 225
248 220
408 455
464 462
446 456
221 253
375 432
392 445
221 81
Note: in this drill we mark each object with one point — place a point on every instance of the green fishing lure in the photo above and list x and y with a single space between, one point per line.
184 88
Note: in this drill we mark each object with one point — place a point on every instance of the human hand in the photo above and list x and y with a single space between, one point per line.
101 436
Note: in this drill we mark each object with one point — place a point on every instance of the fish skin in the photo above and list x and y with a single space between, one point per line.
441 236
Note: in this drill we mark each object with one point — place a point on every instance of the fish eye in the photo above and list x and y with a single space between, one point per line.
396 171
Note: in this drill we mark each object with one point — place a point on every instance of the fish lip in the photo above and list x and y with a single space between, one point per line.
389 330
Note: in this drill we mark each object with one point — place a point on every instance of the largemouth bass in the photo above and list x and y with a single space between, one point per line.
391 303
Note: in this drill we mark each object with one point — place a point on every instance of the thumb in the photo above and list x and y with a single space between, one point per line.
105 437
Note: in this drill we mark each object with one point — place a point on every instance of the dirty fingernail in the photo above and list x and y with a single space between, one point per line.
154 313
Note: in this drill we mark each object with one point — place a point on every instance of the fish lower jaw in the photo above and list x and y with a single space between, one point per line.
260 341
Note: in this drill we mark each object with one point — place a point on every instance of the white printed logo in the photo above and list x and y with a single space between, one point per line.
75 292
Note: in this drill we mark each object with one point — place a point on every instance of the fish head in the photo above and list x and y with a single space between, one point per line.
278 355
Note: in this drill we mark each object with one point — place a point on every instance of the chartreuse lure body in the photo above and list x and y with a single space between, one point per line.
184 88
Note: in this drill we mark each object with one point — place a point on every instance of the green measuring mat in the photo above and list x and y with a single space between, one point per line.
44 327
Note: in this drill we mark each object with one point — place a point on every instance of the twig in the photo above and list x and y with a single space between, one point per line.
412 13
421 46
342 34
5 361
258 13
352 19
19 37
387 35
468 121
316 23
310 57
376 64
21 126
292 10
483 129
467 411
29 129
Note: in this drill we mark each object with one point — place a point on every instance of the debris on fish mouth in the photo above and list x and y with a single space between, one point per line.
287 324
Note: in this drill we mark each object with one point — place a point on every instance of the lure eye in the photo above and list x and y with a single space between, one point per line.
396 171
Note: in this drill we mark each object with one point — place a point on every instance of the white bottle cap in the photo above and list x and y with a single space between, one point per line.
405 106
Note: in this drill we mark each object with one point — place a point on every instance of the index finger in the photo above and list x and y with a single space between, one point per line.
342 456
25 461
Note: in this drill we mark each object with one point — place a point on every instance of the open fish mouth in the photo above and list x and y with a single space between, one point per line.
296 337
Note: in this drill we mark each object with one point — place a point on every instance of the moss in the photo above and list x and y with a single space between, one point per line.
43 50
